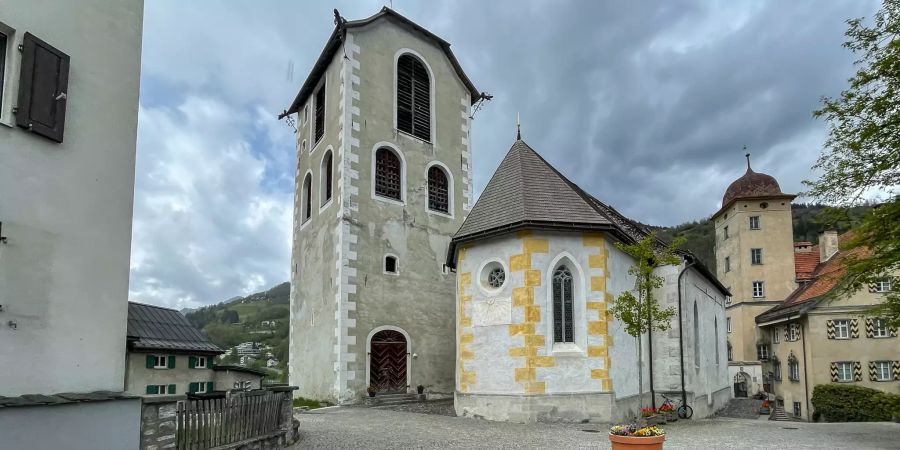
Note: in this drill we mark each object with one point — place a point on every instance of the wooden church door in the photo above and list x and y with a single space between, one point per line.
387 366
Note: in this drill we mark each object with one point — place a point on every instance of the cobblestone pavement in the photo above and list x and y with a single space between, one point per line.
368 428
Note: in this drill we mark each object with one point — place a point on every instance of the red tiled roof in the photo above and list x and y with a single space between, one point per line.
826 276
805 263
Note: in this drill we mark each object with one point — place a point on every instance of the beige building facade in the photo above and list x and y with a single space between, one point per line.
755 260
810 340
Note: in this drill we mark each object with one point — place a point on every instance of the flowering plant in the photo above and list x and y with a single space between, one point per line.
647 412
634 430
765 404
666 408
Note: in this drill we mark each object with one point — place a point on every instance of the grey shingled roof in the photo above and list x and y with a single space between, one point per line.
156 328
525 188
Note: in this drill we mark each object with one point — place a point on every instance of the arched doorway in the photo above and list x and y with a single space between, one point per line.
741 384
387 361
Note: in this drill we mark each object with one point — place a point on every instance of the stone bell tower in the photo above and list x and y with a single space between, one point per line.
383 181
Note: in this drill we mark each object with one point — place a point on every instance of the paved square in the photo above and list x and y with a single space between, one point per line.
350 427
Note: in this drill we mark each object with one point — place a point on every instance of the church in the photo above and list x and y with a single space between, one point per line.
399 279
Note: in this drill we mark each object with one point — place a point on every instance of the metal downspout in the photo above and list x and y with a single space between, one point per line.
681 333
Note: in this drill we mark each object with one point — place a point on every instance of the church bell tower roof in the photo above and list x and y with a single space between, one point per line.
752 185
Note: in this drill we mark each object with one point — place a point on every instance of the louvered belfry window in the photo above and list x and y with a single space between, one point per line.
562 305
413 97
438 195
387 174
320 112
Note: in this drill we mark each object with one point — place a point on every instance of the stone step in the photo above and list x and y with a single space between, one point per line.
779 415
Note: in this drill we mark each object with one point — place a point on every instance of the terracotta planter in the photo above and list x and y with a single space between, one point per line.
636 442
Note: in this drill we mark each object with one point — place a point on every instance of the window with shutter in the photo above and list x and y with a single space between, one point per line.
192 388
151 361
209 386
438 190
563 330
192 362
320 113
171 361
388 174
43 86
413 97
152 389
171 390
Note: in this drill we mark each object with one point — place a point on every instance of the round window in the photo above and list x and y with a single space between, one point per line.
493 276
763 205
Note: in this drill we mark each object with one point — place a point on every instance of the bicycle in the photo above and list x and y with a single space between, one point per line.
683 410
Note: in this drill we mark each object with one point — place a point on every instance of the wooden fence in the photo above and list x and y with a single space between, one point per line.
208 423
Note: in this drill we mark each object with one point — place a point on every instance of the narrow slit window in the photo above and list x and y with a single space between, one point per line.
438 192
2 63
307 197
563 330
326 179
413 97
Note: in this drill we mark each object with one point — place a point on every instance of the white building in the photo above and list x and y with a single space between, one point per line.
69 85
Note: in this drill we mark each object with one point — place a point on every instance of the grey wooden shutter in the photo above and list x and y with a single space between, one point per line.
413 97
43 88
320 113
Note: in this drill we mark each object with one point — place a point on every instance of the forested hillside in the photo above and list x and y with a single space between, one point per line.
240 320
809 220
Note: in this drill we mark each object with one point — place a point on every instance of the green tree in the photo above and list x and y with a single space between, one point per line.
862 153
641 313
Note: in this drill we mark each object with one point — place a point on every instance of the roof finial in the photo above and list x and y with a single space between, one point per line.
518 128
748 158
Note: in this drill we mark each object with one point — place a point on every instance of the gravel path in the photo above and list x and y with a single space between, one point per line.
370 428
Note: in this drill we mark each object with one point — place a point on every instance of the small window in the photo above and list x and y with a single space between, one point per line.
390 264
306 198
758 289
842 329
756 256
726 231
201 388
762 352
727 264
794 332
160 389
730 352
438 190
883 371
754 222
844 372
728 324
879 328
776 370
201 362
496 278
413 97
319 126
388 173
883 286
325 179
776 335
161 362
797 410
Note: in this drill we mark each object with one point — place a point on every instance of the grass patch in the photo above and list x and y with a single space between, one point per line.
312 404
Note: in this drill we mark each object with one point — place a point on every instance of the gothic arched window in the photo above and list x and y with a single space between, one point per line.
325 177
563 331
413 97
306 197
438 192
388 175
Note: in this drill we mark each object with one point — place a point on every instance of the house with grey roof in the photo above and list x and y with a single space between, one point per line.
537 268
166 355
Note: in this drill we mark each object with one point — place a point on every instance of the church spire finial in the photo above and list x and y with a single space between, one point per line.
747 155
518 128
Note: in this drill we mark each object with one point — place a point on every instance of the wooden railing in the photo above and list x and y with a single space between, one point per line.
208 423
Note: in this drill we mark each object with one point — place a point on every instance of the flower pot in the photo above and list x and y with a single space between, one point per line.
636 442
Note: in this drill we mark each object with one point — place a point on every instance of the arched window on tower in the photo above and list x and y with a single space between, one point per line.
696 336
563 330
413 97
388 174
326 178
438 191
306 197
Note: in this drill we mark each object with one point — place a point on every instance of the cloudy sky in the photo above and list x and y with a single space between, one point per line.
645 104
